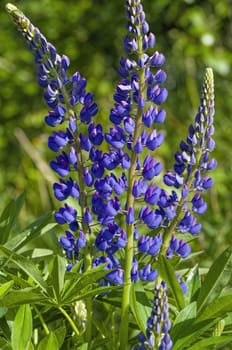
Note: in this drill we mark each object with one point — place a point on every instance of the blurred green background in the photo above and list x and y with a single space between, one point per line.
191 34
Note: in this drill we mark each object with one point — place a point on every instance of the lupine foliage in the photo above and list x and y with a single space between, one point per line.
128 224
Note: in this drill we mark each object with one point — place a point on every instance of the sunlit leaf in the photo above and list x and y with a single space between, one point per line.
49 342
219 273
22 328
5 287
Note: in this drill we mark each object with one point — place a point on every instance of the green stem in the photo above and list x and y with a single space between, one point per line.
129 249
68 318
46 330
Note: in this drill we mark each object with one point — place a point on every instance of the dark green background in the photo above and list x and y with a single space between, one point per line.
191 34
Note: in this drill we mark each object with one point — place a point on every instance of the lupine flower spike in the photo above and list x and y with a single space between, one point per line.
136 218
191 172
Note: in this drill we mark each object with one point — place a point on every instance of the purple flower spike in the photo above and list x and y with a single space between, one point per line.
124 210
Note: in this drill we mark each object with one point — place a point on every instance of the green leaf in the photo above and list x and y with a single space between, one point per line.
184 321
26 265
49 342
5 287
22 328
4 344
203 344
193 285
58 268
191 334
80 282
88 293
218 308
37 229
5 330
83 347
3 311
60 334
219 274
22 296
9 217
139 305
167 273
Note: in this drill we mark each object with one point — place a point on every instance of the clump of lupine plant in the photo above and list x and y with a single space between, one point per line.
127 213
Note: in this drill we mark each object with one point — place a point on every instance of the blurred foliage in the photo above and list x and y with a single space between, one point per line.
191 34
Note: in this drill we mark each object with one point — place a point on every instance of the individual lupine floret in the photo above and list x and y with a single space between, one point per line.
150 245
72 245
178 247
65 189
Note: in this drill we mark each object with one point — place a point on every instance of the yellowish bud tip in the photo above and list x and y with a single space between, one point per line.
11 8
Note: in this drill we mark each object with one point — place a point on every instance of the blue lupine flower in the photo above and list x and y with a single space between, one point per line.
151 168
65 189
147 274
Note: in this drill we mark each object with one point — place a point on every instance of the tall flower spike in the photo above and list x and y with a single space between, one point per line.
158 324
191 169
69 102
136 114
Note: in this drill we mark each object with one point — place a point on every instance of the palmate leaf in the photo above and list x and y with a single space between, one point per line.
22 329
80 282
87 293
218 275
